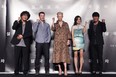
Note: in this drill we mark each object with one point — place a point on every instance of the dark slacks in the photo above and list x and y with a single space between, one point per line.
42 49
21 54
96 53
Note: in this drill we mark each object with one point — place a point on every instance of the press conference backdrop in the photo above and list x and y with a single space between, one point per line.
10 10
2 34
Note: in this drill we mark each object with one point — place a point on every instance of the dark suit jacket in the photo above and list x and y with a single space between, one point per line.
101 27
27 36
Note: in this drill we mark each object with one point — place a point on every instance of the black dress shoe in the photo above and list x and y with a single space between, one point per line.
25 73
47 72
16 73
37 72
100 73
93 72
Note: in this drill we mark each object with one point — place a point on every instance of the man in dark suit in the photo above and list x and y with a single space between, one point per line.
22 41
95 32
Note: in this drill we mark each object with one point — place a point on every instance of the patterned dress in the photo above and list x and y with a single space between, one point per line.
61 36
78 37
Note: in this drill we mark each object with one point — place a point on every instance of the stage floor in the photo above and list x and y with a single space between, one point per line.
55 75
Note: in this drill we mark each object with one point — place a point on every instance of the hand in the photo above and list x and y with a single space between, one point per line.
38 20
74 44
19 36
68 42
103 20
85 23
19 18
53 19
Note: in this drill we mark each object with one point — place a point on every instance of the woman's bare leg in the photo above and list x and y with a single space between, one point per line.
81 61
76 61
60 70
65 69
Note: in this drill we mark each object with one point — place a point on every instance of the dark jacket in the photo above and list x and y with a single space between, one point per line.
98 35
27 36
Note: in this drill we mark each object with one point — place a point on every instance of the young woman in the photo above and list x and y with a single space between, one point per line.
78 31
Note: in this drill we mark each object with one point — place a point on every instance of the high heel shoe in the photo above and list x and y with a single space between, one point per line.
80 72
76 72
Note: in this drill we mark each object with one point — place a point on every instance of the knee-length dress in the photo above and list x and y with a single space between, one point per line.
61 49
78 37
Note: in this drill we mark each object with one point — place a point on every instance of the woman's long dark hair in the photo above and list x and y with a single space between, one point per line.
75 19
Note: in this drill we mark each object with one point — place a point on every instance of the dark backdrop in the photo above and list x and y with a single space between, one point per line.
11 9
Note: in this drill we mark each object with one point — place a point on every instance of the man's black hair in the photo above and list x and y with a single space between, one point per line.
25 13
41 13
95 14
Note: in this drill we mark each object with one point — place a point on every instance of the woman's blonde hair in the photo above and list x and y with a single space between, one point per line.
59 13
